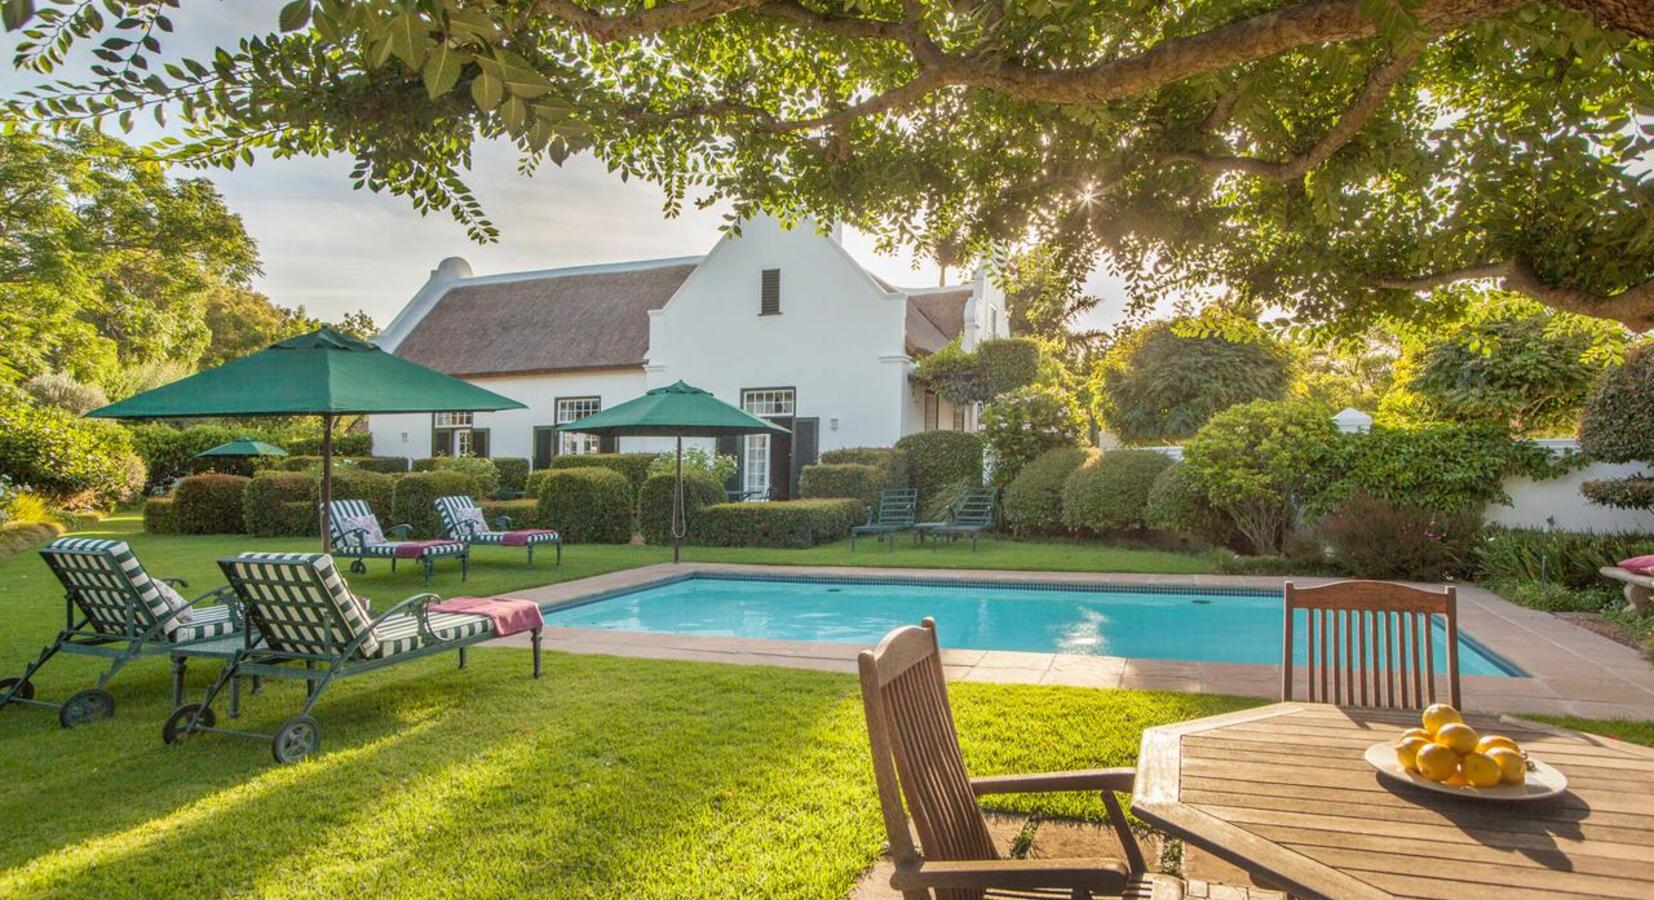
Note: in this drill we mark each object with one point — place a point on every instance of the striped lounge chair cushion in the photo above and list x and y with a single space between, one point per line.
207 623
300 603
498 537
388 549
103 576
463 521
400 633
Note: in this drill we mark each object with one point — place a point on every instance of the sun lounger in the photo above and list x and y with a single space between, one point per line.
463 520
357 535
115 610
972 514
894 514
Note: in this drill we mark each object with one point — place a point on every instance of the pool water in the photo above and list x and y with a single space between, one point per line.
1154 623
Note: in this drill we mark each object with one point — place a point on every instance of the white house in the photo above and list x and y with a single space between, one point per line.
783 323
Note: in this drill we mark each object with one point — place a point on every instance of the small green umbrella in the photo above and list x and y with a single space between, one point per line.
243 447
321 373
677 411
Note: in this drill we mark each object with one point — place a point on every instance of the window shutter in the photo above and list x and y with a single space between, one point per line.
769 299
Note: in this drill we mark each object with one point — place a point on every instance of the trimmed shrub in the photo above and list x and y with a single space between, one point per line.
1008 363
1026 422
158 516
279 504
388 465
524 512
1165 380
786 523
75 463
513 473
1373 538
1568 558
1259 462
413 500
1178 505
634 466
1438 467
936 460
866 456
1112 490
385 465
209 504
700 490
721 466
1033 500
480 471
857 481
590 504
309 442
377 488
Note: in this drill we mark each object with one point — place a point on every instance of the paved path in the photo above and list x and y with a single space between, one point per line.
1573 671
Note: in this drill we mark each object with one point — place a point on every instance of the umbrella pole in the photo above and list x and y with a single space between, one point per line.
327 482
679 526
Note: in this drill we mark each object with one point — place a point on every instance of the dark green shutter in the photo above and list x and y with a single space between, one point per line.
769 295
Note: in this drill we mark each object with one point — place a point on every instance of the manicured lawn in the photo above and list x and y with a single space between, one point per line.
607 778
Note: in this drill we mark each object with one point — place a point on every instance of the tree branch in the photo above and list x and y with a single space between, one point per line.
1381 80
1633 307
641 23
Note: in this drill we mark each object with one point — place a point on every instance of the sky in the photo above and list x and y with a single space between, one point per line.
333 249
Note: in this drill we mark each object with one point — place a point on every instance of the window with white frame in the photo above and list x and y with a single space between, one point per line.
768 401
573 409
933 411
451 420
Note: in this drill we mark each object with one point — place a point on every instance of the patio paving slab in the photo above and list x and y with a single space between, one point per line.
1570 670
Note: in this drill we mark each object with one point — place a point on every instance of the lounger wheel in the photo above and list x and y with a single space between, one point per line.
357 567
26 692
85 708
178 724
297 738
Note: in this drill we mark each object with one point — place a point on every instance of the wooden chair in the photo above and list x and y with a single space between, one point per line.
916 756
1370 643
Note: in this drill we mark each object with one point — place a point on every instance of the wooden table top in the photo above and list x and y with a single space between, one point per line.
1282 791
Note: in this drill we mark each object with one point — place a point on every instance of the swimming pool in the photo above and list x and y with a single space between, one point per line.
1211 625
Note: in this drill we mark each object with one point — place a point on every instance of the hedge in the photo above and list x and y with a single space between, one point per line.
1008 363
1111 490
894 462
76 463
1032 502
413 501
939 460
209 504
170 452
590 504
858 481
524 512
377 488
700 490
351 443
634 466
158 516
1178 505
388 465
513 472
786 523
279 504
484 477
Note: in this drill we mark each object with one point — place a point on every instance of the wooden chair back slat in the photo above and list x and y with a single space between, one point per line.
1393 667
916 754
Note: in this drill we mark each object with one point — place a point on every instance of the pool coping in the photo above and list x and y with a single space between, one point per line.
1570 671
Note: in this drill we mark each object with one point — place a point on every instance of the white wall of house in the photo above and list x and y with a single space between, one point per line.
986 313
838 340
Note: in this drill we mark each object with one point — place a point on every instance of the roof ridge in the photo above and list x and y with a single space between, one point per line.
635 265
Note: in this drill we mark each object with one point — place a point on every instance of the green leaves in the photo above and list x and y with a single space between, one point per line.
441 71
294 16
487 89
15 13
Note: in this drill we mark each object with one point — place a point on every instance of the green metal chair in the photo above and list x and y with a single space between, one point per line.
314 628
895 513
972 514
462 520
114 610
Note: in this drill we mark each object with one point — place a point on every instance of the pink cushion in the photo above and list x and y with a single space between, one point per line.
1640 565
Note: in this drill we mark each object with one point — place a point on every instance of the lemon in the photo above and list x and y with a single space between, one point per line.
1407 752
1416 732
1438 714
1513 769
1458 737
1496 740
1480 770
1437 763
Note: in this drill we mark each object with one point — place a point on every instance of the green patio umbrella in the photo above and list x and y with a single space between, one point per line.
676 411
243 447
322 373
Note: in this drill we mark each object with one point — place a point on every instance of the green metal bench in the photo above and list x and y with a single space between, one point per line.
972 514
114 610
895 513
312 627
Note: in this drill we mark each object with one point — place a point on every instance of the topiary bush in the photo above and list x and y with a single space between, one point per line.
413 500
591 504
857 481
700 490
1373 538
1112 490
513 473
279 504
1008 364
209 504
75 463
936 460
1260 462
480 471
1024 423
786 523
1176 504
158 516
377 488
1032 502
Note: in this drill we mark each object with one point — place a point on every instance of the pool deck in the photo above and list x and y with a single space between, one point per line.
1572 671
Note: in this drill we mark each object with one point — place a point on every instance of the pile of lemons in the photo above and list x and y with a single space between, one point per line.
1448 751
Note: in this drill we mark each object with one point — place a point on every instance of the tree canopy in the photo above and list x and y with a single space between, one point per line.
1163 381
1340 158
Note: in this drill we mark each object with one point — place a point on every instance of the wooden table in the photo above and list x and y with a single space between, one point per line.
1327 826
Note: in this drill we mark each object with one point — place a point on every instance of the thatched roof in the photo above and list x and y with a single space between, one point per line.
935 317
544 322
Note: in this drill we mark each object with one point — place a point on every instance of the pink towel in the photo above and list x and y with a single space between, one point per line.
510 615
416 549
520 538
1639 565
